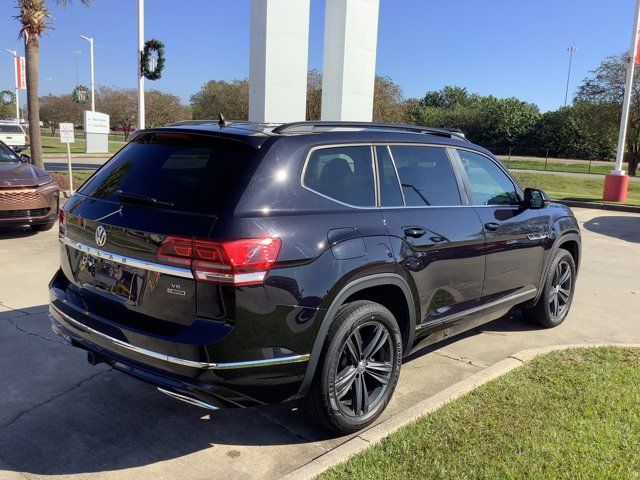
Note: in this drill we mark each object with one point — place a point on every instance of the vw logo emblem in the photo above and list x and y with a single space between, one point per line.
101 236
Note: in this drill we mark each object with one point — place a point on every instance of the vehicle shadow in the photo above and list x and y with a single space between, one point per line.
9 232
624 228
108 421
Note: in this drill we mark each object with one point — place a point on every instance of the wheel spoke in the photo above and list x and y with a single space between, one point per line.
365 395
382 379
357 396
384 367
345 381
353 349
358 342
556 305
379 340
564 294
566 274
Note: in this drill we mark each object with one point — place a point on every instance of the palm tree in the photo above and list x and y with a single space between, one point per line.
35 19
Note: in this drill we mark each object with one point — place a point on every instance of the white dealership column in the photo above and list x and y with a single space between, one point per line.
278 60
349 62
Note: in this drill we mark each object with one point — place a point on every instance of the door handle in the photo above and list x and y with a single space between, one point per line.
415 232
492 226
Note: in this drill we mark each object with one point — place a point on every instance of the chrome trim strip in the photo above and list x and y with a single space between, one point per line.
181 361
231 278
495 303
123 260
187 399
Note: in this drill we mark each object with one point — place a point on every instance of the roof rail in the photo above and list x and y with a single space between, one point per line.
308 127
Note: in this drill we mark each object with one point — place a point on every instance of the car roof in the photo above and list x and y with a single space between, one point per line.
317 133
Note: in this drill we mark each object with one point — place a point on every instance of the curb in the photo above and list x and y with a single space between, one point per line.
58 156
382 430
599 206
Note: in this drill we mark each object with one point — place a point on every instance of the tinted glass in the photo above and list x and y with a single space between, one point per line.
390 195
342 173
11 129
426 176
489 184
195 174
7 155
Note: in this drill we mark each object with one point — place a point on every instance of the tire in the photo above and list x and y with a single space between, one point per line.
336 399
555 301
42 227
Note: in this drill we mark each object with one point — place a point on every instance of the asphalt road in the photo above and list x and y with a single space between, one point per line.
60 416
78 163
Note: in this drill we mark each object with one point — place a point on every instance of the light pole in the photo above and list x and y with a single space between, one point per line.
77 54
15 55
93 97
48 79
566 91
141 111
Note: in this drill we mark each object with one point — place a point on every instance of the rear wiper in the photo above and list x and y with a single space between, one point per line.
136 198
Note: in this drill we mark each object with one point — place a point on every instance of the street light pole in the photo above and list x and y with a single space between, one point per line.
141 110
77 53
566 91
93 97
15 55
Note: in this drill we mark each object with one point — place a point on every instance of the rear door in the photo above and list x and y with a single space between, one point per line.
158 186
437 239
514 236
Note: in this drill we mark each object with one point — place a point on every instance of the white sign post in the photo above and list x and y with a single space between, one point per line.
67 136
96 129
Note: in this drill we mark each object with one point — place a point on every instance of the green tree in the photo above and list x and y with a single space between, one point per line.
218 96
55 109
604 88
35 18
162 108
388 103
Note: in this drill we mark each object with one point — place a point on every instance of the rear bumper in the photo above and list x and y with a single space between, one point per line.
185 369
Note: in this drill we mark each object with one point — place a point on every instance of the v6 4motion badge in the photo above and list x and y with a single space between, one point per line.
176 289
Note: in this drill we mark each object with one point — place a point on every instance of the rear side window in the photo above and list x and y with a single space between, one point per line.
195 174
426 175
390 194
11 129
342 173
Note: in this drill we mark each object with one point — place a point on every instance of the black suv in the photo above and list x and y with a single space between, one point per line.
237 264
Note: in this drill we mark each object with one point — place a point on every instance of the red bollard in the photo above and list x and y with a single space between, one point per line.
615 188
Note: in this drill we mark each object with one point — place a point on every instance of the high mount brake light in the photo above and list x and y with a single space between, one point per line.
62 223
235 262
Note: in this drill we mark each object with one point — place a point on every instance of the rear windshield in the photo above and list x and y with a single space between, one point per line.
194 173
11 129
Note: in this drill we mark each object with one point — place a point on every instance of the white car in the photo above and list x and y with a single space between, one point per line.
12 134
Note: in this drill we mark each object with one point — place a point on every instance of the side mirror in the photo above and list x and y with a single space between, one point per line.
535 198
25 158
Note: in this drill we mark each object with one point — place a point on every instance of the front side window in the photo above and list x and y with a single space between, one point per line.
489 184
342 173
7 155
426 176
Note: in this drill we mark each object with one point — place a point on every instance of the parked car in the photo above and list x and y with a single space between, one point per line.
28 195
13 135
241 264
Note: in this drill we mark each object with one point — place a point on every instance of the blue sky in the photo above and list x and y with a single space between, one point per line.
500 47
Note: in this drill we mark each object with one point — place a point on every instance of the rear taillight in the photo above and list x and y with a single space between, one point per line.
62 223
26 139
235 262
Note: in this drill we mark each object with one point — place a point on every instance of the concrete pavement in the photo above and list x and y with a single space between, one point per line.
60 416
78 162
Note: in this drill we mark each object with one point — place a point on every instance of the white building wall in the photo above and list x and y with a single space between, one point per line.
349 63
278 60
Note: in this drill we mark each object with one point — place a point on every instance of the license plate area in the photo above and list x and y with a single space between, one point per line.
123 282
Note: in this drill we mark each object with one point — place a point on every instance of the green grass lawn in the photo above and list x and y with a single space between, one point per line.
573 188
566 415
579 166
53 145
